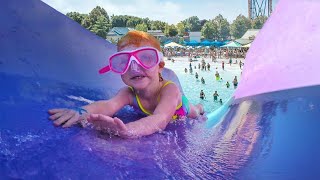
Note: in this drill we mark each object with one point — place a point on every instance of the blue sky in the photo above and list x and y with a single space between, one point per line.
171 11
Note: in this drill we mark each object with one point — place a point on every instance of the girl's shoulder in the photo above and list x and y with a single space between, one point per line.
169 87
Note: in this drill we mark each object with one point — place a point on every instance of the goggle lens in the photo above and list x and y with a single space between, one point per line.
148 57
119 62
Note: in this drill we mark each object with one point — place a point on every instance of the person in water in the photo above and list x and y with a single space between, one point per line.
215 96
202 80
228 84
235 82
139 61
220 101
202 95
217 76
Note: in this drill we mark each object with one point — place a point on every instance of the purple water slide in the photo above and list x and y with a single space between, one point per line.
285 53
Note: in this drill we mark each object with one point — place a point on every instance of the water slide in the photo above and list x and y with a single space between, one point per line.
270 130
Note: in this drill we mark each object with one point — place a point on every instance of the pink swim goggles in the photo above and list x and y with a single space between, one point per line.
147 57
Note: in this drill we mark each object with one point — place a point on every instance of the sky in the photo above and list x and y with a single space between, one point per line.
170 11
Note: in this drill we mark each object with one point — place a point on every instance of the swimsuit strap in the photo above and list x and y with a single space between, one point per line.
140 104
167 83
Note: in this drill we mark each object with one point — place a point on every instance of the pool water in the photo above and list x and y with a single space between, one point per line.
192 87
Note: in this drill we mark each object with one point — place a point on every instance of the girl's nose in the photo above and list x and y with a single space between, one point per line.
134 66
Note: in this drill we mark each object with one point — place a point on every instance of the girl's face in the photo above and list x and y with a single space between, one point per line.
137 76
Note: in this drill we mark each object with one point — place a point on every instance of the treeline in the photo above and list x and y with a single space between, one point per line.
218 28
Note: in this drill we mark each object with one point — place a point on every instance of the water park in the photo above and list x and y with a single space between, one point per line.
261 106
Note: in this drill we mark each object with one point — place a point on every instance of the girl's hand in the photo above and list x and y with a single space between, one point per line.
66 117
109 124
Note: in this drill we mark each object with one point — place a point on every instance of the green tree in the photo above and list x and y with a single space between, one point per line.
258 22
181 29
209 30
202 22
147 22
158 25
170 30
192 23
119 21
134 21
239 26
223 27
86 22
142 27
101 27
76 16
97 12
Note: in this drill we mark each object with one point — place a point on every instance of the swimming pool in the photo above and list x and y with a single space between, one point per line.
191 86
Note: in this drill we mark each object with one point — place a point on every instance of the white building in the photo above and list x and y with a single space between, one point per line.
195 36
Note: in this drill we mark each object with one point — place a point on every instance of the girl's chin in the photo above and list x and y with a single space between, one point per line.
140 83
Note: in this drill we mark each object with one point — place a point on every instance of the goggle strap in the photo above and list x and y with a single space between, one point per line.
104 69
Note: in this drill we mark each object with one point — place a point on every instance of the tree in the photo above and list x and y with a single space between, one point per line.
76 16
86 22
97 12
147 22
258 22
134 21
89 21
158 25
142 27
192 23
202 22
181 29
239 26
209 30
119 21
101 27
170 30
223 27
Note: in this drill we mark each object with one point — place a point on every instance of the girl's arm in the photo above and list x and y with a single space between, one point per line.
111 106
68 117
170 97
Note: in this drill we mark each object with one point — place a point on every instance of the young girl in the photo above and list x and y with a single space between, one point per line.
139 61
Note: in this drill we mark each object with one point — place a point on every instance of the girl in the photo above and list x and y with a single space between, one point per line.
139 61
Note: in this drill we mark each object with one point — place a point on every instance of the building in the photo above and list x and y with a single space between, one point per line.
195 36
156 33
116 33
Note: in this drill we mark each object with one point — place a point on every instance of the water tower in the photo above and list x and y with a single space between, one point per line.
258 8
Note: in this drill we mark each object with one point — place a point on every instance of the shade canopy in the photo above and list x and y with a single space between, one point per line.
247 45
173 44
232 44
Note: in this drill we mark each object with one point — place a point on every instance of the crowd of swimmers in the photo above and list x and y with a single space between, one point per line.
203 66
